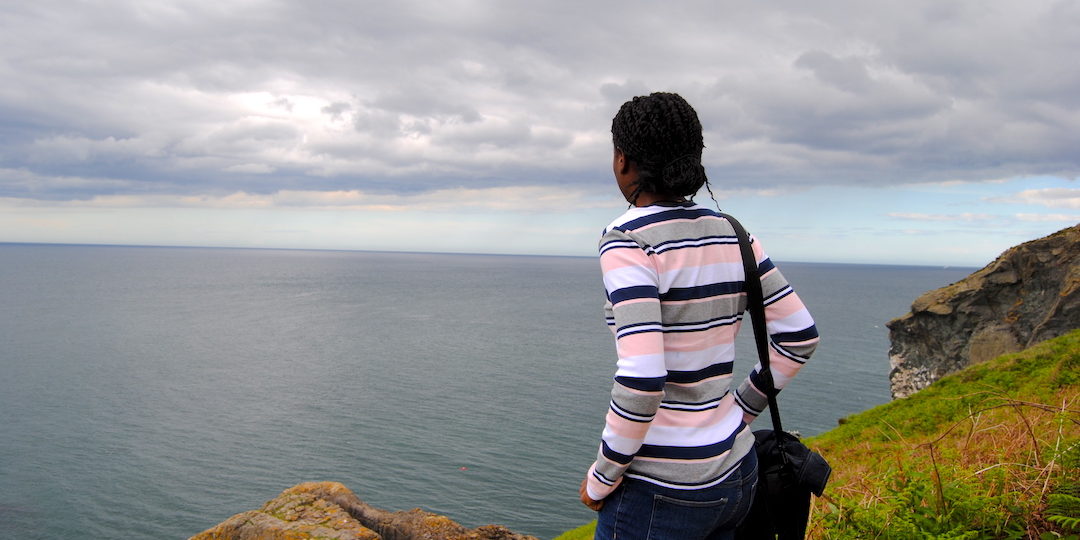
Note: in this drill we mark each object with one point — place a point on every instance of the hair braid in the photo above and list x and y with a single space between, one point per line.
661 134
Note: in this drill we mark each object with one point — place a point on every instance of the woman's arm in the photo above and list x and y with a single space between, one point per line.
793 336
631 282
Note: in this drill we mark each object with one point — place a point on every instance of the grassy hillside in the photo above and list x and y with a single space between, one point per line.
990 452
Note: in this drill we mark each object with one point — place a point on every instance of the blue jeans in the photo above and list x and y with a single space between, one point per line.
646 511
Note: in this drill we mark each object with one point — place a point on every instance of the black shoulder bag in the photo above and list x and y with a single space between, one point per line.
788 471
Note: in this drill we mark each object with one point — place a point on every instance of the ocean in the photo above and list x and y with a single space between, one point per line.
154 392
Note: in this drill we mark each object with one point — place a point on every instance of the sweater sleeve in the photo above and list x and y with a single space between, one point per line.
792 336
631 283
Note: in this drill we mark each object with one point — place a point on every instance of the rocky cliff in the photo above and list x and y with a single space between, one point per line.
1029 294
328 510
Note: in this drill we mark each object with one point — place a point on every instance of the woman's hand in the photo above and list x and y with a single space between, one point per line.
584 493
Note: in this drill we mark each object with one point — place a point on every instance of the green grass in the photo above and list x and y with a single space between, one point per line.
979 454
584 532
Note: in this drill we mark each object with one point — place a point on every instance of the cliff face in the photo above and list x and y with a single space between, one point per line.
1029 294
329 510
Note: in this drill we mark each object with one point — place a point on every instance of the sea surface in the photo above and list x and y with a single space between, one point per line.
154 392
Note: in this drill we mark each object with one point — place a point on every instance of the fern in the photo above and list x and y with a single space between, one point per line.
1063 510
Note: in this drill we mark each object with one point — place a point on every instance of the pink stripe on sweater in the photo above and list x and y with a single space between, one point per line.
784 307
705 255
640 344
627 429
697 341
637 301
623 257
695 419
783 364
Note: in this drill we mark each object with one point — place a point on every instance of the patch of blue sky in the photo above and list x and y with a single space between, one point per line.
950 224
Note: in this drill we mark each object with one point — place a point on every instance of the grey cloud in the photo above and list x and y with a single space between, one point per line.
378 123
849 74
243 138
616 93
336 109
488 134
425 103
21 183
284 103
391 95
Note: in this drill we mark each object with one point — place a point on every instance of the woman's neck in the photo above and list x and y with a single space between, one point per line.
647 198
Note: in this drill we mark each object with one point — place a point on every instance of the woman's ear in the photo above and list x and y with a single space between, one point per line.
621 164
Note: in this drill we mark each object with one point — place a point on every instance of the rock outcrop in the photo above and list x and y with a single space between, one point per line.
329 510
1029 294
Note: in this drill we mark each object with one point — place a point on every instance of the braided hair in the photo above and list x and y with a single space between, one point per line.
661 133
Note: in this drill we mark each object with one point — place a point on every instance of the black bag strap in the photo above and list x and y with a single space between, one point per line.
755 304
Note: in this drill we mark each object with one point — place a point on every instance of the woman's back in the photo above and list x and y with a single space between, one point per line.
674 278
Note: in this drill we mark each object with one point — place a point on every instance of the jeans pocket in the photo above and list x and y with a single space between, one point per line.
674 518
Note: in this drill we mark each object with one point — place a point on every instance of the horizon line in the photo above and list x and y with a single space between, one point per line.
414 252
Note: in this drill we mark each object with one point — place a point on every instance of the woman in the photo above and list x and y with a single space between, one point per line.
676 458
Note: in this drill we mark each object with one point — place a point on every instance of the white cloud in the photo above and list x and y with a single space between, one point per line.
942 217
253 168
1049 197
1064 218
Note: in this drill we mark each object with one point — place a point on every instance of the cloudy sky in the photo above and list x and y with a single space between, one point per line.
918 132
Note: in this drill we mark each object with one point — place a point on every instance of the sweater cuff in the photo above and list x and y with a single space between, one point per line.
596 489
748 418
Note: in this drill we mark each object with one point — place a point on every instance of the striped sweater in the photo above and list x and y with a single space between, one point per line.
676 295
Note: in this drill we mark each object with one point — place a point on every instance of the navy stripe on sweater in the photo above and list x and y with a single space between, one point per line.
666 215
801 335
615 456
643 384
672 245
688 377
702 291
633 293
688 452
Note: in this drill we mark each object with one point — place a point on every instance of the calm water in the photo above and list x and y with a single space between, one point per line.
153 392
